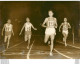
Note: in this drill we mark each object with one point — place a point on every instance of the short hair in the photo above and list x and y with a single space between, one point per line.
27 17
65 18
9 20
50 11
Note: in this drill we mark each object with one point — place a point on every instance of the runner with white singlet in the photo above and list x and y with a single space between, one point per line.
50 23
8 27
65 26
28 32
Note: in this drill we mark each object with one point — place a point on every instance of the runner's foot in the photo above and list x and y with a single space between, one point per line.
65 44
51 54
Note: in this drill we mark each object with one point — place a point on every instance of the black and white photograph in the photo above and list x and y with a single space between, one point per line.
40 30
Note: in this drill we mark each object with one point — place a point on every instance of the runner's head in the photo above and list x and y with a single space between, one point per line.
65 19
8 21
50 12
27 19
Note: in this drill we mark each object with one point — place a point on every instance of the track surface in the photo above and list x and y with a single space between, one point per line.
18 50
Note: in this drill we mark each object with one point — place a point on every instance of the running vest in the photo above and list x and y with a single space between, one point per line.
8 27
28 26
51 22
65 26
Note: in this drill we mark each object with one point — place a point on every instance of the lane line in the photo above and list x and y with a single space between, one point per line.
28 54
62 54
12 47
70 45
25 54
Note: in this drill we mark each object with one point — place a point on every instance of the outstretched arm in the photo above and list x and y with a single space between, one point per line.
43 25
60 27
22 29
12 31
3 30
34 27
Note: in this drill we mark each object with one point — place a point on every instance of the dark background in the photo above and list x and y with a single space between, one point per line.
37 11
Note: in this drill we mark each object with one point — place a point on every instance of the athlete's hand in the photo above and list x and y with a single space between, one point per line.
35 28
55 26
43 25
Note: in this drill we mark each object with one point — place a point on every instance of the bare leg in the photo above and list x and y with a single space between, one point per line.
65 37
29 38
51 47
46 38
25 38
65 40
8 40
5 39
52 44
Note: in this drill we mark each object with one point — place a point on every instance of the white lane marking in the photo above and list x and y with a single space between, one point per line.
28 54
11 47
36 53
25 54
63 54
70 45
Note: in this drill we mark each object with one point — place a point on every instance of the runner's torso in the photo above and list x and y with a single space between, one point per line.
65 26
8 27
28 26
51 22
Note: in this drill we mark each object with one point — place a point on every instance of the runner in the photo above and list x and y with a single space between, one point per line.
28 32
65 26
50 24
8 27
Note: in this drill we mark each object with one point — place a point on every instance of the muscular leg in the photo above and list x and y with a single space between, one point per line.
65 37
29 38
9 36
46 38
25 38
52 44
5 39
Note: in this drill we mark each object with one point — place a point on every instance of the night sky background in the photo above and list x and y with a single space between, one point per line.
37 11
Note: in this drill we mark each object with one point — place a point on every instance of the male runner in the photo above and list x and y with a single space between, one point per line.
28 33
65 26
8 27
50 24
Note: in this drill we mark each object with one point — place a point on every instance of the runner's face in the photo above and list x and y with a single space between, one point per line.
9 21
27 19
65 19
50 13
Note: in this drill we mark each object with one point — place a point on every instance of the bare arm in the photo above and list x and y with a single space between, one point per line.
12 31
3 29
56 23
33 27
22 29
69 25
60 27
43 25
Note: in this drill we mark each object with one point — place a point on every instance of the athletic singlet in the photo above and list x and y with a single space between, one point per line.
28 26
65 26
51 23
8 27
